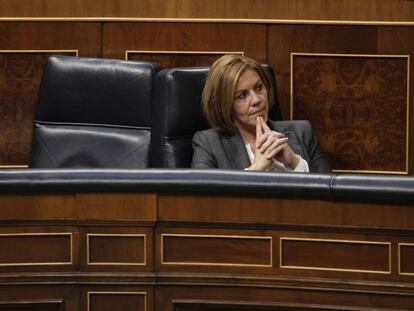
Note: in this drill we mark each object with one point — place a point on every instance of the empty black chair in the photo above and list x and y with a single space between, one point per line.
178 113
93 113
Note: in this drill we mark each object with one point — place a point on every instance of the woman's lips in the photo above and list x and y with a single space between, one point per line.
258 113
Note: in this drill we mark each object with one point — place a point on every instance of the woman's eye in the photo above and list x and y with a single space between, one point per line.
259 87
241 95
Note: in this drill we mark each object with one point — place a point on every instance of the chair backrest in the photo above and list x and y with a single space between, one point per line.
93 113
177 108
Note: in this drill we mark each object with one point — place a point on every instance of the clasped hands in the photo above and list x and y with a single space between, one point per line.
271 145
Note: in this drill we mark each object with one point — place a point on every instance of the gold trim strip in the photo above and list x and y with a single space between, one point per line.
41 51
372 172
207 20
97 263
402 56
70 234
163 262
399 258
90 293
335 241
127 52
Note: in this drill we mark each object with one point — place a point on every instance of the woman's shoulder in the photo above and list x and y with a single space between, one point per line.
291 125
211 133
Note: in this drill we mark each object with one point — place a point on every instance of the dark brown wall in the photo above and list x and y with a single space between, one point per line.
361 10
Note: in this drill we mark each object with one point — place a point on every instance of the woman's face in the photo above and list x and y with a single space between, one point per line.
250 101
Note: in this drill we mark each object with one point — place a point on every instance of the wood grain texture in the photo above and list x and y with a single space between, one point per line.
335 255
111 206
174 60
286 39
395 40
407 258
119 37
397 10
216 250
126 248
240 210
358 107
108 301
35 249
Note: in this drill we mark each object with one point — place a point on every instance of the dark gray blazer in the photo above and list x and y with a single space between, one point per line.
214 149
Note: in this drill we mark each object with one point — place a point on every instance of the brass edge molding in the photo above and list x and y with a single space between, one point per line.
33 51
407 142
334 241
127 52
399 258
206 20
163 262
130 235
41 51
90 293
70 234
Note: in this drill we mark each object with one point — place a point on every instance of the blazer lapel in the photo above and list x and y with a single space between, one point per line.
236 151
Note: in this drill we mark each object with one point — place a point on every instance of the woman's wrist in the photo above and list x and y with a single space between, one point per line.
292 162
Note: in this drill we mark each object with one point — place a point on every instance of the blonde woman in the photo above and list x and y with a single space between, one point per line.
236 100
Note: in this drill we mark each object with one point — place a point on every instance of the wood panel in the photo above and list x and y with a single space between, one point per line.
177 59
44 297
36 249
121 37
108 301
23 50
111 206
406 258
216 250
396 10
40 305
287 39
395 40
241 210
335 255
358 106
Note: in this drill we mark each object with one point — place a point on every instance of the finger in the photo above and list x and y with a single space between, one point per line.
274 150
274 144
270 138
262 139
264 125
259 130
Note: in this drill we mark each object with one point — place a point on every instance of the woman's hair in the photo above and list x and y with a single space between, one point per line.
221 83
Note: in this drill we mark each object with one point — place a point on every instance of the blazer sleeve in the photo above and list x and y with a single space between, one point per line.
317 162
203 156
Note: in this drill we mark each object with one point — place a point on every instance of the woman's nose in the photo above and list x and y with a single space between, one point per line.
254 99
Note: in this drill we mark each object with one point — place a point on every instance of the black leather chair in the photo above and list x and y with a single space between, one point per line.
93 113
177 108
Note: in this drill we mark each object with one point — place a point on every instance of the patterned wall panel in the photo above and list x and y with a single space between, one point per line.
358 106
20 75
173 59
